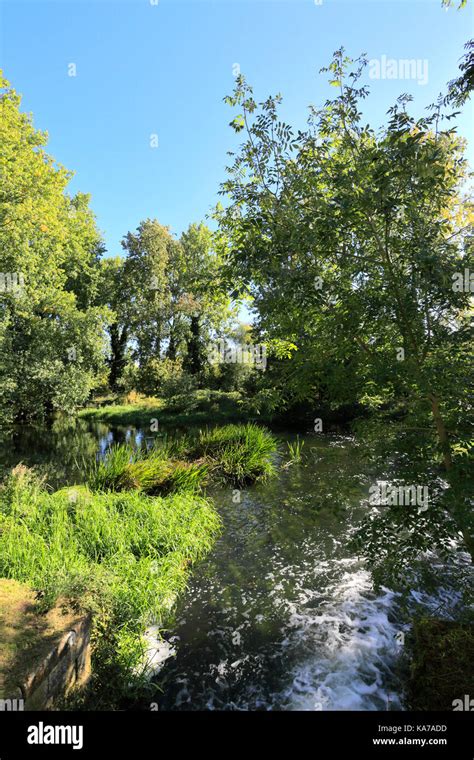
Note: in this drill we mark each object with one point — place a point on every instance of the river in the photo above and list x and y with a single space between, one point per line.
280 615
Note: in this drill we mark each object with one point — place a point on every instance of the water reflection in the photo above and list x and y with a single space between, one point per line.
65 451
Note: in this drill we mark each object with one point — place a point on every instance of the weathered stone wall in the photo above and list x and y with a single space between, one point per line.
66 666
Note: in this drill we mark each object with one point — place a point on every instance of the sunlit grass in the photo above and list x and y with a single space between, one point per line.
122 556
200 407
295 450
120 547
125 468
232 453
237 453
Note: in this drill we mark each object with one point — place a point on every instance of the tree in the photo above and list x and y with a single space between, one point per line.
151 254
113 293
204 300
52 338
349 240
174 299
459 89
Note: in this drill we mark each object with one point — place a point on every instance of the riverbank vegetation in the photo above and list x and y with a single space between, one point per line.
122 556
120 548
198 407
233 453
353 249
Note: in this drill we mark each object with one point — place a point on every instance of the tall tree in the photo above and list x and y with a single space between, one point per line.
113 293
349 240
205 300
151 251
52 339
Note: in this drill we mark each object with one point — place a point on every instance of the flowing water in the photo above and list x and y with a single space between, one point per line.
281 615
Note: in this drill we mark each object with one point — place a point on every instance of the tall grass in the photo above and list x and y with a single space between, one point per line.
120 547
237 453
295 451
125 468
232 453
123 556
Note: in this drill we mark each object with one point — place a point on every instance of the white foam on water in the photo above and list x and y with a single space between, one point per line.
157 651
348 642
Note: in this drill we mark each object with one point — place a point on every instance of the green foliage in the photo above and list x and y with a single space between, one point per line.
199 407
341 217
366 229
165 377
459 89
205 299
239 453
442 664
114 293
398 536
123 556
51 334
153 259
168 300
393 538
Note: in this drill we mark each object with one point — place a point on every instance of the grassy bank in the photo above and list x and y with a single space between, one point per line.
210 407
121 547
196 408
235 454
122 556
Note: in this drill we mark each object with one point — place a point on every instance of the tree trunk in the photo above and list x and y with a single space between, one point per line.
448 462
171 352
118 344
194 359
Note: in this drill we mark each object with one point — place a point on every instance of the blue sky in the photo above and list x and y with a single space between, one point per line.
163 69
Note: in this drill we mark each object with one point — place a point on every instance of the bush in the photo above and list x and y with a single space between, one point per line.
164 377
442 668
232 376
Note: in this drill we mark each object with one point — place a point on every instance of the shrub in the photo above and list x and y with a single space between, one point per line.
442 667
165 377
